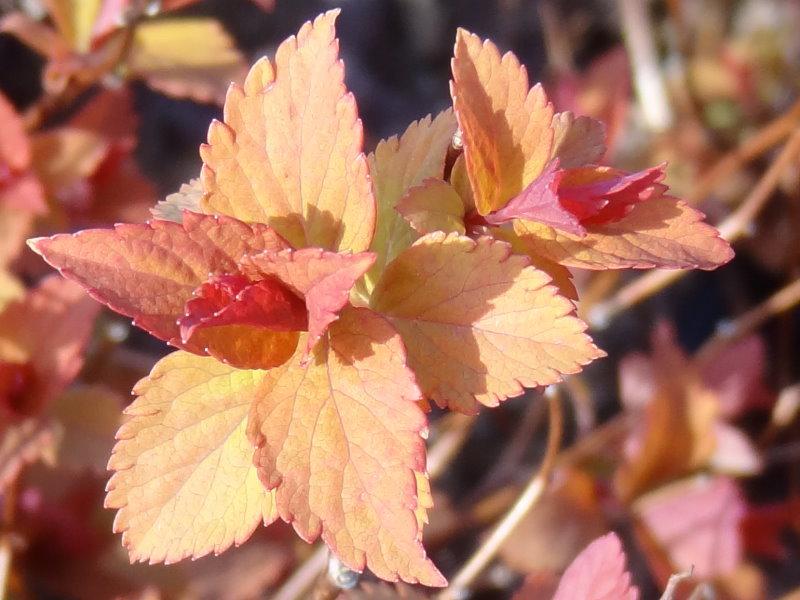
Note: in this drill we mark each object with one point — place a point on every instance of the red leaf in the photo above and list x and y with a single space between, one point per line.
323 278
598 195
598 573
149 272
242 323
234 300
539 202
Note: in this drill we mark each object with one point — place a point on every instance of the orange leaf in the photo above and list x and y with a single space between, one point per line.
398 164
191 58
505 126
323 278
149 272
662 232
339 440
479 323
433 206
48 330
184 482
577 141
289 153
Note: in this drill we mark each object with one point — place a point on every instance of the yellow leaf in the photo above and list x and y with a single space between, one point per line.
433 206
289 153
661 232
184 481
339 442
187 58
75 20
484 328
398 164
505 125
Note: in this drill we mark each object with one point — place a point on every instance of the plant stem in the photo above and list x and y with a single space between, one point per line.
781 301
731 229
5 566
650 88
527 499
754 146
303 578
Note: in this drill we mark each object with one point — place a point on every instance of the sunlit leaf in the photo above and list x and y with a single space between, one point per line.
184 481
505 125
186 198
398 164
149 272
289 153
577 141
433 206
489 327
339 440
323 279
663 232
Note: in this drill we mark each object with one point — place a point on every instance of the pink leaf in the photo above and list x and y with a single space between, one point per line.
539 202
598 573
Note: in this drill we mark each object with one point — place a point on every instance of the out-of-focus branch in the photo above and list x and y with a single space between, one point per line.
754 146
526 500
780 302
731 229
647 79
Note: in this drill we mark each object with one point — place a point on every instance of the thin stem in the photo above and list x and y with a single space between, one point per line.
731 229
781 301
649 84
303 578
450 440
527 499
5 566
674 581
754 146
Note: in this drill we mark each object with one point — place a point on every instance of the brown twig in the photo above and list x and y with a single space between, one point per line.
731 229
526 500
781 301
754 146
